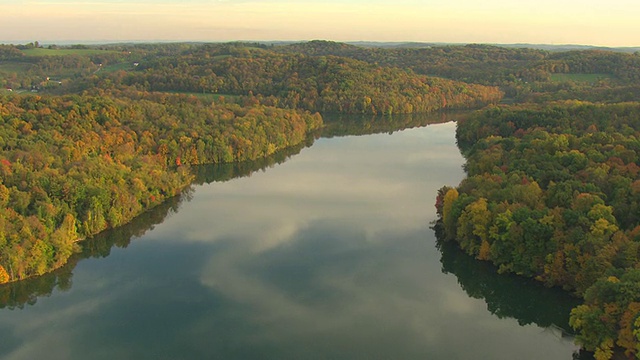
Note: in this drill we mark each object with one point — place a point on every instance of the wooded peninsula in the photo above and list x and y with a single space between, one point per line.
93 136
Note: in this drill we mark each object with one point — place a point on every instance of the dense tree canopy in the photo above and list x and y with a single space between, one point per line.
553 192
327 84
524 74
73 166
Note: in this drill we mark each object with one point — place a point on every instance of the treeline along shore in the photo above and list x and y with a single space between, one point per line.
99 140
553 193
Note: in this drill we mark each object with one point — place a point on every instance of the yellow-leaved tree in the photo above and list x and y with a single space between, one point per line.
4 276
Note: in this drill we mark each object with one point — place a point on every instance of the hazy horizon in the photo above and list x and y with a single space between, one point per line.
249 41
570 22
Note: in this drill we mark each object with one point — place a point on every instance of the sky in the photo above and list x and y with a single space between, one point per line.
584 22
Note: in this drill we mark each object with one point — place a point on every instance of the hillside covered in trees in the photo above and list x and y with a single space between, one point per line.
553 193
524 74
327 84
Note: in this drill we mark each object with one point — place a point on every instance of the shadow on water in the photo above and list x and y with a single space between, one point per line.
207 174
509 295
18 294
336 125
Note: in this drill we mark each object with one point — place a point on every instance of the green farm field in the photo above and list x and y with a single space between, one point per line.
11 66
62 52
124 66
206 96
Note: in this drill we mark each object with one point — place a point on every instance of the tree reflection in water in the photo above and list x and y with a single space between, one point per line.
18 294
509 295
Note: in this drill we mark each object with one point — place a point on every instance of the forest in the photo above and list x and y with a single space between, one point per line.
92 137
73 166
553 193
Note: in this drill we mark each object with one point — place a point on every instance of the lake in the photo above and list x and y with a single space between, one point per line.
325 252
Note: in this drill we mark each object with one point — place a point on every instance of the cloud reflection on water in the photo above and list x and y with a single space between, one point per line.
360 180
327 256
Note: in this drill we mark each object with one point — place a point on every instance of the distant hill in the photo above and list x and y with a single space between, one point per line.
570 47
548 47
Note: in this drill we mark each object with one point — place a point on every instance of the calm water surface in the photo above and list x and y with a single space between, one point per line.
328 255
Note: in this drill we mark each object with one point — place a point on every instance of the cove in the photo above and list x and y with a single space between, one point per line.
324 252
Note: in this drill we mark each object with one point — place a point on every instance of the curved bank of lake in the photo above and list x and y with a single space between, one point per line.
329 255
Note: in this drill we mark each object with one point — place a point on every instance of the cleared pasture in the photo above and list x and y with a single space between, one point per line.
64 51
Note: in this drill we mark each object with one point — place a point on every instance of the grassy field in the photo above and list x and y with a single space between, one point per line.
17 67
126 66
61 52
580 78
207 96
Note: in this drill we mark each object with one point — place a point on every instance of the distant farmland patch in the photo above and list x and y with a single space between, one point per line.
63 51
124 66
17 67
